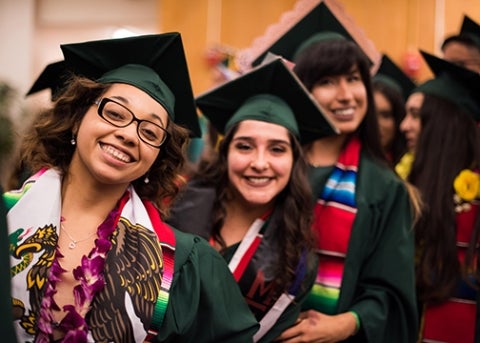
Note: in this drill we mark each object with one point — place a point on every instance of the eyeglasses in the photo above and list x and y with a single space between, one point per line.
120 116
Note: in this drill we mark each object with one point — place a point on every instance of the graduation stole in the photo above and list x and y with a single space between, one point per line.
335 212
167 241
246 277
40 196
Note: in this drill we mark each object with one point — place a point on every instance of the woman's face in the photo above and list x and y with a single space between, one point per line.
411 125
386 120
113 155
260 161
344 99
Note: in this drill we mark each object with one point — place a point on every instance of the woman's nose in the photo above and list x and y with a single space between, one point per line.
344 91
129 133
259 162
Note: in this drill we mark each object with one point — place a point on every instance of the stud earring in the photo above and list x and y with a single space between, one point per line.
73 141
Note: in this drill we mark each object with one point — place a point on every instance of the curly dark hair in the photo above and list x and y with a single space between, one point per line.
337 57
295 203
48 143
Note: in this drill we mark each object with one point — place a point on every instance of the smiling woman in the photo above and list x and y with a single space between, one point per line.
252 203
87 226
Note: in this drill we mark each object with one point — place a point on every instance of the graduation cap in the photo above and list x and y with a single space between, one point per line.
54 77
454 83
471 29
390 74
319 20
154 63
270 92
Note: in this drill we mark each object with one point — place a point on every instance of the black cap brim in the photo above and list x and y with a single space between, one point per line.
471 29
54 77
390 69
319 19
163 53
456 84
275 78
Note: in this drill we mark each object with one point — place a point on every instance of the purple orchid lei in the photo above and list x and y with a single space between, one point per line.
90 275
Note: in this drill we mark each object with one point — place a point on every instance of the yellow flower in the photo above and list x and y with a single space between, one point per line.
404 166
467 185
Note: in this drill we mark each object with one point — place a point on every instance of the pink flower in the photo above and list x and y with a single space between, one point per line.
90 276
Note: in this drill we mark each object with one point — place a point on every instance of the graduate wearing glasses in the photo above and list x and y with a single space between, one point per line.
91 258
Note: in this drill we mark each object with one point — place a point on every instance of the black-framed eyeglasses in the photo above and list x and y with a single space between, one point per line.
120 116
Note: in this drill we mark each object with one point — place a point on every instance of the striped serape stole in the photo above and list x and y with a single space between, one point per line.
334 216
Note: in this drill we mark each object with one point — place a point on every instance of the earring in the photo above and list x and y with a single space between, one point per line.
146 180
73 141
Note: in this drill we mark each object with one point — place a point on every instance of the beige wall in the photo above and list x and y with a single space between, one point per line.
396 27
204 23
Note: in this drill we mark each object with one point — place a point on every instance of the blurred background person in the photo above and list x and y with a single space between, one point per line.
391 86
445 170
463 49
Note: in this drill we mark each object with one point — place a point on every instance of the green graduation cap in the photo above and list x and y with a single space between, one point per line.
272 93
154 63
305 32
390 74
54 77
471 29
454 83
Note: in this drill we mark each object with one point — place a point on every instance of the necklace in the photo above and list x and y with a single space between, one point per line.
90 275
73 243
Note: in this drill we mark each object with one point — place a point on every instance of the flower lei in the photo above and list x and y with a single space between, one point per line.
467 189
90 275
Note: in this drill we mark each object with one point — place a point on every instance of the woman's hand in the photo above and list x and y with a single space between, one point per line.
316 327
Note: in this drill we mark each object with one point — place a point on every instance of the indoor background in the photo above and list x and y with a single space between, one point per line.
32 30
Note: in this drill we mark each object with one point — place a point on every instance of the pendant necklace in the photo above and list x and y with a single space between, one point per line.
73 243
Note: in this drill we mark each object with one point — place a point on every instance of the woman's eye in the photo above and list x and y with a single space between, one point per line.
355 77
149 134
115 115
325 82
278 149
242 146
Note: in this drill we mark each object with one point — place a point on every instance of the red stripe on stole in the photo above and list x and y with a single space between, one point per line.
452 322
465 222
242 265
333 226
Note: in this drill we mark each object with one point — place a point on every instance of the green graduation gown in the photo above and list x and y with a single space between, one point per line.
378 279
204 304
192 213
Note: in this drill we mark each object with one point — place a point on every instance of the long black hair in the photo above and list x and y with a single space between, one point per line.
448 143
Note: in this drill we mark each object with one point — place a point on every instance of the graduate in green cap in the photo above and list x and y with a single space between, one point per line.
92 260
463 48
253 202
390 89
446 171
364 290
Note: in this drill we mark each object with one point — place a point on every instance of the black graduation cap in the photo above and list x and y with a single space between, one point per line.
154 63
319 19
454 83
471 28
233 99
392 75
54 77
